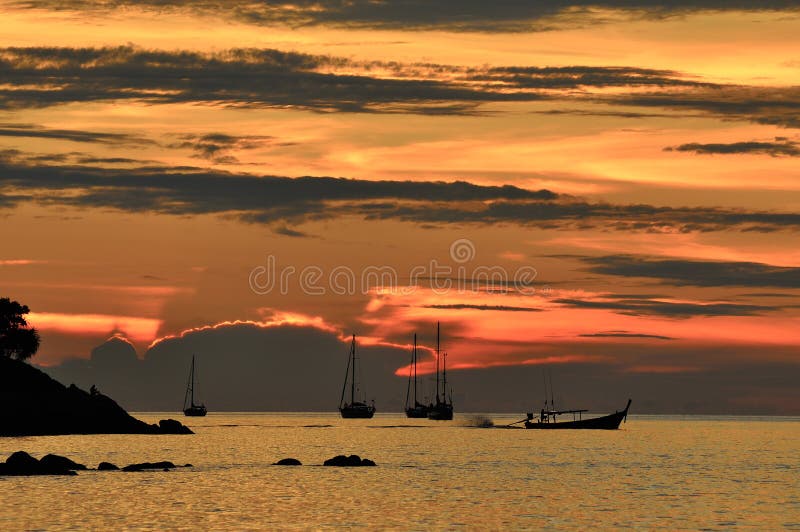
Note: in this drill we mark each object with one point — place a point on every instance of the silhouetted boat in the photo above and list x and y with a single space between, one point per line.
354 409
417 410
442 410
189 406
548 419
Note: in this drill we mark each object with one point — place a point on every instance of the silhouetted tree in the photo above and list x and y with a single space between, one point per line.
17 340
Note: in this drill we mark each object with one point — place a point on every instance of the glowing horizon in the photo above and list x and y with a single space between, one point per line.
642 161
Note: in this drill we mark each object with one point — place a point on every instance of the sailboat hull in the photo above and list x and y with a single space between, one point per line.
357 411
441 412
417 412
195 411
609 422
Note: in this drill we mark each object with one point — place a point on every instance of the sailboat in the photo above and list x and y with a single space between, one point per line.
354 409
189 406
416 410
442 410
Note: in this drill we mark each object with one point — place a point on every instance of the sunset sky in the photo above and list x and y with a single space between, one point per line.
637 163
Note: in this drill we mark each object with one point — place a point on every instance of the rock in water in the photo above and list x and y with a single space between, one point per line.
144 466
59 462
348 461
21 460
21 463
288 461
172 426
107 466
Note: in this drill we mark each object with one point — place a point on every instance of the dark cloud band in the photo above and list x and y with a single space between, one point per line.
40 77
696 272
414 15
778 148
282 200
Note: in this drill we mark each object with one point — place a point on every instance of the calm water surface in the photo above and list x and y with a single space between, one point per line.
657 472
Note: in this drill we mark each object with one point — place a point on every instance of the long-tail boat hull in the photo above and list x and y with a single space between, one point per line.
609 422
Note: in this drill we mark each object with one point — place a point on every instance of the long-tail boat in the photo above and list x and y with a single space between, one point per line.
548 419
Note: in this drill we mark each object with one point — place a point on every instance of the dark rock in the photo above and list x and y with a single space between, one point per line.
43 406
107 466
348 461
21 460
60 462
172 426
188 465
21 463
288 461
144 466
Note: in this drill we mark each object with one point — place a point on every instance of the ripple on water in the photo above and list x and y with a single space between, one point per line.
655 473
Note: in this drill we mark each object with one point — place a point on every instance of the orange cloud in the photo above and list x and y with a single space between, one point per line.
20 262
135 328
272 318
482 329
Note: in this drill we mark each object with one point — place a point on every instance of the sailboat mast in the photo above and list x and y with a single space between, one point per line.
410 371
444 378
191 381
353 382
437 361
346 373
415 370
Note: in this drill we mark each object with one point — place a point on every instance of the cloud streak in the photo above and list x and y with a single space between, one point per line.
684 272
669 309
623 334
73 135
283 200
496 308
40 77
268 78
217 147
776 106
778 148
416 15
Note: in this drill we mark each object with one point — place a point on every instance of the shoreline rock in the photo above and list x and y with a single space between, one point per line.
43 406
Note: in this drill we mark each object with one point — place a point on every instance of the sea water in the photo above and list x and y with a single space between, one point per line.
655 472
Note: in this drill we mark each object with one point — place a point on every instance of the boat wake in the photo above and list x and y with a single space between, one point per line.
480 422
